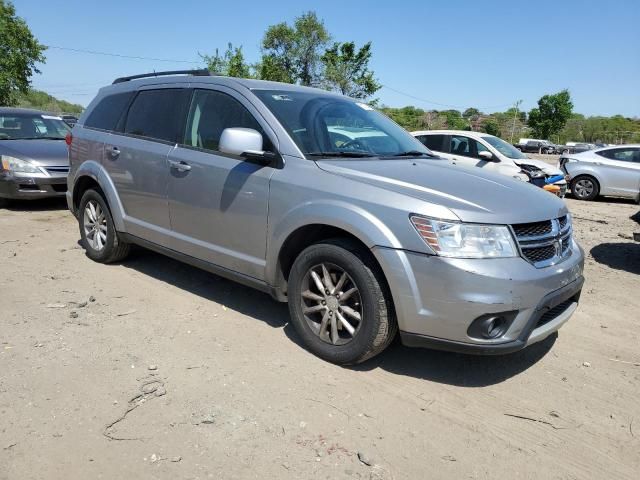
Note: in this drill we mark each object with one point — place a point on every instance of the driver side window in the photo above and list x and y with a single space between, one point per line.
210 113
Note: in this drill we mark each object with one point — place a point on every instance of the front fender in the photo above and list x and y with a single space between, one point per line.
96 172
362 224
575 169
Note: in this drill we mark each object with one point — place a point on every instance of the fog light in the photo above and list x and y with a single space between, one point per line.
491 326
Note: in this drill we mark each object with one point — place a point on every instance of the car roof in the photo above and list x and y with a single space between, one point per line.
625 145
468 133
248 83
18 111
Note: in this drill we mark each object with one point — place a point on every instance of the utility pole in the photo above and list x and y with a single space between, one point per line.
515 114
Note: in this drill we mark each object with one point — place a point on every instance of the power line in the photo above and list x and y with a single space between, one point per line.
131 57
438 103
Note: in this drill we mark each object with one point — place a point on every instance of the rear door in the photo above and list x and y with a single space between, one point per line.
136 158
219 202
620 170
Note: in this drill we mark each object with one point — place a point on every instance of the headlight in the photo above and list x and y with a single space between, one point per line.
465 240
16 165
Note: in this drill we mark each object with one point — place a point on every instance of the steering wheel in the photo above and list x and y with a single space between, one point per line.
356 143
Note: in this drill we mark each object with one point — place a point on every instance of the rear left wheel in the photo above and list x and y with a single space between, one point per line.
339 302
97 230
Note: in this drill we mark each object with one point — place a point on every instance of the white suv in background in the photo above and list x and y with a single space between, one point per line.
476 149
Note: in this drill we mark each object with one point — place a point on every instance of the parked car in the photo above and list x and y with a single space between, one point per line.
480 150
246 178
575 148
611 171
33 155
70 120
535 146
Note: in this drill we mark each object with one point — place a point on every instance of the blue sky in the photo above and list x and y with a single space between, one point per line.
485 54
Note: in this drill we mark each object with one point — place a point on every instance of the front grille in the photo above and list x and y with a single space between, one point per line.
545 243
555 312
532 229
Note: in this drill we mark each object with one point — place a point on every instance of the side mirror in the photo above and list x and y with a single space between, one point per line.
488 156
245 142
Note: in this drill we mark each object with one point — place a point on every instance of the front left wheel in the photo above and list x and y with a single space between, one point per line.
339 302
97 230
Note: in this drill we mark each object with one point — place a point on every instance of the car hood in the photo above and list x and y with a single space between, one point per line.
46 153
481 197
544 166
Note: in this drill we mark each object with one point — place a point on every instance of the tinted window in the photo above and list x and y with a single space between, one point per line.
622 154
108 111
157 114
461 146
432 142
210 113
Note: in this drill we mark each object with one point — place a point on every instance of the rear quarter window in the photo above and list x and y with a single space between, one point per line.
432 142
108 111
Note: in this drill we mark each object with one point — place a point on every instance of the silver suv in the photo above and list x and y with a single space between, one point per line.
326 204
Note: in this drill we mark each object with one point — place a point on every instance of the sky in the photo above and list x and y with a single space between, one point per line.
430 54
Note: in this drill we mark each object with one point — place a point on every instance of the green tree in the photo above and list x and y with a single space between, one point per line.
471 112
491 127
346 70
19 53
551 115
43 101
231 63
292 53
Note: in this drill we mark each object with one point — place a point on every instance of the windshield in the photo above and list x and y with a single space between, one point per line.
330 126
17 126
504 148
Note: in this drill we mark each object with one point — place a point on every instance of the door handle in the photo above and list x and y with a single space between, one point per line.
180 166
114 152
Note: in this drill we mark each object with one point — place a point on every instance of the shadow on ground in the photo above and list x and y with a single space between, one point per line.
619 256
432 365
46 204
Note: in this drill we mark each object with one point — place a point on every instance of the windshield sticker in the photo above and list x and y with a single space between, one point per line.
50 117
364 106
282 98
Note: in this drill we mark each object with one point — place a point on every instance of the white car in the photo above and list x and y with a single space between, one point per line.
612 171
481 150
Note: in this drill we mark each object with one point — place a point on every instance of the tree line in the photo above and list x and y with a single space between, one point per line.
305 53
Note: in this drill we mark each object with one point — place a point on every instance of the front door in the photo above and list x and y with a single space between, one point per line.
218 203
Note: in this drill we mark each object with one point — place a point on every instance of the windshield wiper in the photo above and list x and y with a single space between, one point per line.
341 154
413 153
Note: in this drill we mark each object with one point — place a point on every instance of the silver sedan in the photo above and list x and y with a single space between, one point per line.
611 171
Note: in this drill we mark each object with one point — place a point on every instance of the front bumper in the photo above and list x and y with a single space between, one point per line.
437 299
32 187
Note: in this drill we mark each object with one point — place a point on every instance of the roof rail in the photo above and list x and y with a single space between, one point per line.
198 73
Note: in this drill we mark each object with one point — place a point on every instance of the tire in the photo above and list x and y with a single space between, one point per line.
371 301
102 244
585 187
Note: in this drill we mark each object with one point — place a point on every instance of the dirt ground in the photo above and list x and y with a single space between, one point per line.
154 369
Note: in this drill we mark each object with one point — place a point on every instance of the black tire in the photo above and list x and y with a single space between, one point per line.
378 325
114 248
585 187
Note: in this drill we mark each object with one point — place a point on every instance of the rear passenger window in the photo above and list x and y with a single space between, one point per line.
210 113
432 142
158 114
108 111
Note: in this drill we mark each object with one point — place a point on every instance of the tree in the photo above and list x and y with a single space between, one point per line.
19 53
292 54
491 127
232 63
551 115
347 70
470 113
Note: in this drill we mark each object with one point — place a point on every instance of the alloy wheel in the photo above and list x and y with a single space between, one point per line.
584 188
331 304
95 225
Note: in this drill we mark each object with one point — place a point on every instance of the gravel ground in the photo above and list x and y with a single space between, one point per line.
154 369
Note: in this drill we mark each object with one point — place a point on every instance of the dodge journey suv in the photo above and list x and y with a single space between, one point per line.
326 204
